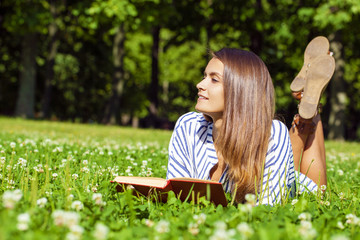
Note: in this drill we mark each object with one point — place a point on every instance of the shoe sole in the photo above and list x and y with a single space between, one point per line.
316 47
317 78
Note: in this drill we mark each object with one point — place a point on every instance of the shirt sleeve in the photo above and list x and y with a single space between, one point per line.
278 175
304 183
179 152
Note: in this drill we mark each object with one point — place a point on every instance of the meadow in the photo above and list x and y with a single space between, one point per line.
55 184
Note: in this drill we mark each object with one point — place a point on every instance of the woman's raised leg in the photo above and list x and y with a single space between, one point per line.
307 139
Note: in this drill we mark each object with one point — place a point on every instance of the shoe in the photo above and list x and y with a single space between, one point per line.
316 47
317 78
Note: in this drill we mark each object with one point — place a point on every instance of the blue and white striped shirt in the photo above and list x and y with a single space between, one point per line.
192 154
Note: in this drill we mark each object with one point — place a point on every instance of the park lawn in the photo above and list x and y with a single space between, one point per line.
55 184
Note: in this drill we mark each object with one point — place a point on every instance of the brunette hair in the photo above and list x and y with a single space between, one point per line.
247 118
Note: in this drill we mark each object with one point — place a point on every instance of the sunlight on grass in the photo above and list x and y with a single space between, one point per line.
55 184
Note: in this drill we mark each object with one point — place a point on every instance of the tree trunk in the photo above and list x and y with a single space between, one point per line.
53 46
26 95
337 91
154 85
112 114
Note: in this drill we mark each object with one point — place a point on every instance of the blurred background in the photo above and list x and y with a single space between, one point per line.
136 62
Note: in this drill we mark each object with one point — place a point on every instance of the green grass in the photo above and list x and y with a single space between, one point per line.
71 165
82 132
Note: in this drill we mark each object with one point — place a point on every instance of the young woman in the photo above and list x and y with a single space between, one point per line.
234 139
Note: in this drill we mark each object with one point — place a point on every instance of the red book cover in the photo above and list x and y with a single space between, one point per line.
184 188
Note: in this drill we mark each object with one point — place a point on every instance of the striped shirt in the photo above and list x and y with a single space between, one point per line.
192 154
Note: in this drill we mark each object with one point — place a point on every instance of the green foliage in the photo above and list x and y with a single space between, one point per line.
278 31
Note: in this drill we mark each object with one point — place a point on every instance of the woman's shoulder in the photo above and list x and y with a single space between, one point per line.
278 128
191 118
279 133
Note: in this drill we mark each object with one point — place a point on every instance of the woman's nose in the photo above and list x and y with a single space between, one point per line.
201 85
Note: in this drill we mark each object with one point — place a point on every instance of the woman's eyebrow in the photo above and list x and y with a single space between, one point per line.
213 73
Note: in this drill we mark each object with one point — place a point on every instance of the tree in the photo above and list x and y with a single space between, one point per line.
55 8
119 14
26 20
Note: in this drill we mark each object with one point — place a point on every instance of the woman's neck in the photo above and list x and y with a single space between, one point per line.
216 128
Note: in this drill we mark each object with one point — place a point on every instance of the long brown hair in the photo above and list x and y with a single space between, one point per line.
247 118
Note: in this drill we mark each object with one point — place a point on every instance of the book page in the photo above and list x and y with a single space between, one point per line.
143 181
193 180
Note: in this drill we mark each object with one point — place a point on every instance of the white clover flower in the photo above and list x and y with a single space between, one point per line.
77 205
85 162
245 230
76 230
193 229
144 162
149 223
12 145
323 187
97 197
162 226
72 219
71 236
305 217
110 153
327 203
23 222
340 225
340 172
94 189
101 231
48 193
231 233
220 225
306 230
10 198
59 217
22 226
245 208
41 202
22 162
352 219
54 175
294 201
64 218
219 234
341 195
75 176
250 198
200 219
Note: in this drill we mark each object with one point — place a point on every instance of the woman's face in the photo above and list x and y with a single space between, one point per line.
211 90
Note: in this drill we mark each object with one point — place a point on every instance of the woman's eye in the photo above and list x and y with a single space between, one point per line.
214 80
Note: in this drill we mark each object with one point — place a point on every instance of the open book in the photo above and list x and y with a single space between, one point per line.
184 188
